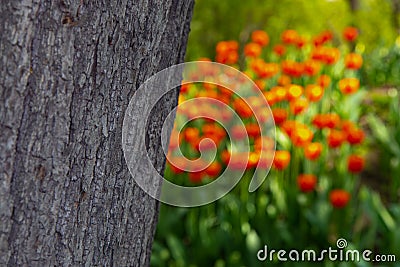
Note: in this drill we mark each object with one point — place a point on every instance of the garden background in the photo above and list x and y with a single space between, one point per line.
330 71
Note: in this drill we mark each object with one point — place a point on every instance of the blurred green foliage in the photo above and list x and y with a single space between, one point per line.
386 137
382 66
216 20
231 231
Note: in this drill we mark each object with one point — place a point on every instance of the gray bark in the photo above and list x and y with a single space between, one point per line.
68 69
353 5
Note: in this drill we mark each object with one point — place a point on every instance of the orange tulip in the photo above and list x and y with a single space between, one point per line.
311 67
196 177
260 84
353 61
253 159
242 108
347 126
336 138
263 69
257 64
279 49
177 164
252 50
302 136
322 38
355 136
294 91
280 115
289 37
300 41
225 91
314 92
327 36
227 58
227 52
284 80
332 120
298 105
280 93
281 159
327 55
339 198
213 129
270 97
318 41
226 46
260 37
312 151
268 70
225 156
184 88
292 68
319 121
214 169
213 132
324 81
253 130
209 86
306 182
191 134
349 85
350 34
289 127
331 56
355 163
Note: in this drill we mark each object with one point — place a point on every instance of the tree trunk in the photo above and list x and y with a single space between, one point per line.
68 70
353 5
395 14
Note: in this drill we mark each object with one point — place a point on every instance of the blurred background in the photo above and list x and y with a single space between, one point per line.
339 178
377 20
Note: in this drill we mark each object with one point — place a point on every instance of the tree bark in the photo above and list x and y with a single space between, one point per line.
68 70
395 14
353 5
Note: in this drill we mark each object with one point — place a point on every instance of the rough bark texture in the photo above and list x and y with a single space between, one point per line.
68 70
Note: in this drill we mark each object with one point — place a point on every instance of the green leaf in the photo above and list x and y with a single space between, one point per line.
282 139
383 213
252 241
176 248
382 134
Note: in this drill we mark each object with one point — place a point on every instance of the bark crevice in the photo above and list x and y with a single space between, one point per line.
70 68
